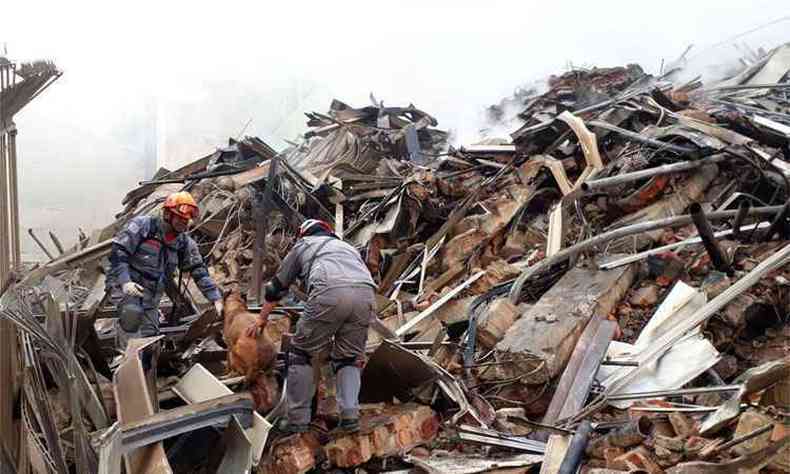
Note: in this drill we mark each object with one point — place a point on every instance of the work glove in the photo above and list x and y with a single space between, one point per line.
133 289
219 307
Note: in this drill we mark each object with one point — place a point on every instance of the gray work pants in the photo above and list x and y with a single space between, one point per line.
337 319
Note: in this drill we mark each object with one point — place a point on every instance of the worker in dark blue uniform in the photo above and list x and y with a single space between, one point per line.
144 254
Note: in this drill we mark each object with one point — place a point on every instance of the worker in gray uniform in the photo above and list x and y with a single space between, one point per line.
340 304
146 252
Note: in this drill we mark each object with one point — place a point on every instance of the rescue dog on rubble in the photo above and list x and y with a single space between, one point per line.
252 357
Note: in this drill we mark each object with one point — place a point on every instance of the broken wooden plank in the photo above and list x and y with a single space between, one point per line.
432 308
495 321
555 453
577 379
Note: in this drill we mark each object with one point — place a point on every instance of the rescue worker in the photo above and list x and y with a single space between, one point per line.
341 301
147 252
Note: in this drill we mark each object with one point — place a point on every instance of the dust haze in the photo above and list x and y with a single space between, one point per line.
162 83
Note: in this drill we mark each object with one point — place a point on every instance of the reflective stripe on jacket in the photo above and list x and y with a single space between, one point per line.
140 254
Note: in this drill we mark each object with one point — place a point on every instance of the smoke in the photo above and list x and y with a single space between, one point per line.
152 83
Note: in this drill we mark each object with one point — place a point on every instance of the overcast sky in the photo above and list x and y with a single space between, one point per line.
179 78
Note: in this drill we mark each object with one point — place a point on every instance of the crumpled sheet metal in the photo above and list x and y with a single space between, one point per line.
471 464
200 385
686 360
753 380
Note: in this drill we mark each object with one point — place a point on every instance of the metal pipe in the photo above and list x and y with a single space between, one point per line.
575 452
779 224
657 250
743 211
672 393
683 150
56 241
705 232
40 244
739 440
597 184
13 191
261 228
565 254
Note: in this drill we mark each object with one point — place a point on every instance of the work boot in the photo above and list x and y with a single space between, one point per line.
290 428
348 425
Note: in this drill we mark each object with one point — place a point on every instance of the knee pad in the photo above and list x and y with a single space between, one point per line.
131 317
338 364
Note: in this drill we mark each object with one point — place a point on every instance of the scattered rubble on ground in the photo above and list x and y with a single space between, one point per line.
609 291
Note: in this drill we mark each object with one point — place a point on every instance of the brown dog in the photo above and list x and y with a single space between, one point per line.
252 357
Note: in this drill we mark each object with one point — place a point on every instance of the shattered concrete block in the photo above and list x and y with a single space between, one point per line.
683 425
695 444
727 367
752 420
461 247
676 444
778 396
638 458
548 331
645 297
735 311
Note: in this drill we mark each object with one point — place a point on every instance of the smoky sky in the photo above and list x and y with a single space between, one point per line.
148 83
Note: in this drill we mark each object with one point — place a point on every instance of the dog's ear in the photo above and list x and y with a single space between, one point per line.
229 287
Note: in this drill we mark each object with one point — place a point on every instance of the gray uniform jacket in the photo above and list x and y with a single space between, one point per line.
324 263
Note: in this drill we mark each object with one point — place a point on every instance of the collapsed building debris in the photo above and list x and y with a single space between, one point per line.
544 301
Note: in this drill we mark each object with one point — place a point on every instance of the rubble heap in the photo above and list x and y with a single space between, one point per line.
610 291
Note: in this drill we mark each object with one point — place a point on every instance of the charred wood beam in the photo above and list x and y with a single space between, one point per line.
705 232
56 241
577 379
40 244
743 211
261 228
567 253
602 183
682 150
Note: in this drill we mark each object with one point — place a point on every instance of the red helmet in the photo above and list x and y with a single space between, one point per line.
182 204
311 224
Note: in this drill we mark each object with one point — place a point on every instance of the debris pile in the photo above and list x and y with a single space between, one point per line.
609 291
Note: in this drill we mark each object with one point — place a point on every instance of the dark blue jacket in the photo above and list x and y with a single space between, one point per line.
140 254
